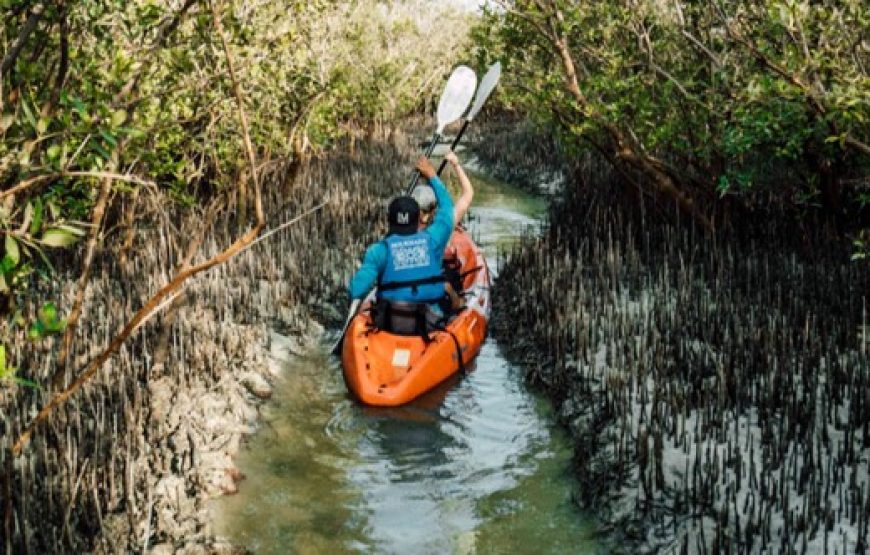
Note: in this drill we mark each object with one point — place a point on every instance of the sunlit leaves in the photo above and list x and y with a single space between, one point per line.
58 238
12 251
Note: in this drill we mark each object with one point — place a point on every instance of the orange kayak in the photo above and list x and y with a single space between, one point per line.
387 370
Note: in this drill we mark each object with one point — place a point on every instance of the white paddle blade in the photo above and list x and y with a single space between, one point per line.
487 84
456 96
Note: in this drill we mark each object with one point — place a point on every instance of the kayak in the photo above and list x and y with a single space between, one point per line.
388 370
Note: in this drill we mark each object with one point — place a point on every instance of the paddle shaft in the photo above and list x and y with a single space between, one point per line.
336 349
435 138
431 149
454 144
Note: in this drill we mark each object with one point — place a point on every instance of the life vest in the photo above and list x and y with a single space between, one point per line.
413 270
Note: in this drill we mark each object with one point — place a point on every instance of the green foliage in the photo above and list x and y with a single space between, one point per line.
736 96
93 91
47 322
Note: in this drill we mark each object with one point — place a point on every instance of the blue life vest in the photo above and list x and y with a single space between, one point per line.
413 270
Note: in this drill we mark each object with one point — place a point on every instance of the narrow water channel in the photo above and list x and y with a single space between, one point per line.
476 466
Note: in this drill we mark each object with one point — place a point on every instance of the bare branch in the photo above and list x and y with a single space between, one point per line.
243 118
717 63
45 178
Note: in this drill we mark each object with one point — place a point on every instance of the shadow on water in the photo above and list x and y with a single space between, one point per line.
475 466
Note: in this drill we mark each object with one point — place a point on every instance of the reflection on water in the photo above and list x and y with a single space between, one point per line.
475 466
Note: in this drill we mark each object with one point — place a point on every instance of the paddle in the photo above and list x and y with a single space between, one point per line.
454 101
487 85
354 306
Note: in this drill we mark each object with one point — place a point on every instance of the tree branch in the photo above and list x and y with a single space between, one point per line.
45 178
72 320
857 145
63 65
28 27
717 63
243 120
527 18
624 149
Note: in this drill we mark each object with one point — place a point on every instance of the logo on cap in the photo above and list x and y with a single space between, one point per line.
402 218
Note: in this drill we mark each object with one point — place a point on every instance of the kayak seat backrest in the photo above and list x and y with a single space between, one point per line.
400 318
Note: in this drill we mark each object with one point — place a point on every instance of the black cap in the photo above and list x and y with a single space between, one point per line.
404 214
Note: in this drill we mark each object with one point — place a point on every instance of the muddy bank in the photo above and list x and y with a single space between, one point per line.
718 390
129 462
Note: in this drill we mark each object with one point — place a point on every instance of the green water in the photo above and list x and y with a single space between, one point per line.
475 466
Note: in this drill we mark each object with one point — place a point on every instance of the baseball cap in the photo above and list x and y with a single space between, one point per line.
403 215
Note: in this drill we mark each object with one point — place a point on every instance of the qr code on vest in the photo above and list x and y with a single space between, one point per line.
410 254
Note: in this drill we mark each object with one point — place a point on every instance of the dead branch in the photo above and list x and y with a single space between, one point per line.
286 224
243 118
144 313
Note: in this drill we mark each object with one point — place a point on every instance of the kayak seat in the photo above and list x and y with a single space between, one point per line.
404 318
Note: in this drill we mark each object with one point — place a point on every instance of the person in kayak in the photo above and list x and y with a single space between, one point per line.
406 264
425 197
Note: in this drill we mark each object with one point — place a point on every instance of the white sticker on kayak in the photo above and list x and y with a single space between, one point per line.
401 357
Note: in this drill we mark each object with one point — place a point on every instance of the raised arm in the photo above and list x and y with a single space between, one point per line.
442 226
461 206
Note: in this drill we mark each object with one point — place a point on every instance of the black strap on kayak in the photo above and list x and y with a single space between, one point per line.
439 327
464 274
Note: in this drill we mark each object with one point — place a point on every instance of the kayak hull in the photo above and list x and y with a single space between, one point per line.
387 370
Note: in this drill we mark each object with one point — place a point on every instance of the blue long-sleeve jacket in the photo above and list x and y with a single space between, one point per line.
375 259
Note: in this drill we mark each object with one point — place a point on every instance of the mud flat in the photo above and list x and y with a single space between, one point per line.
718 390
128 464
